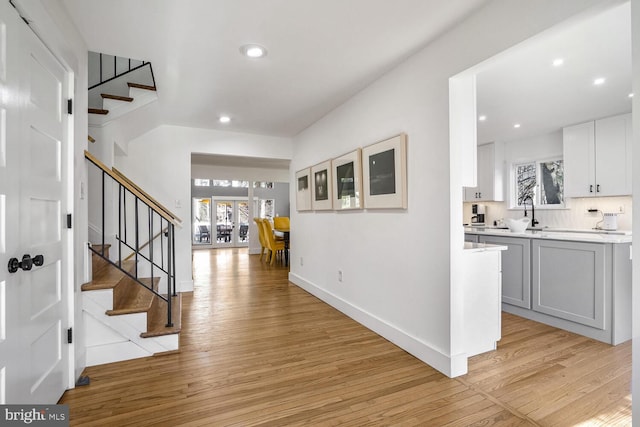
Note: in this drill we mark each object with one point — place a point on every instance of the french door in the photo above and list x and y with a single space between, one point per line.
34 197
231 219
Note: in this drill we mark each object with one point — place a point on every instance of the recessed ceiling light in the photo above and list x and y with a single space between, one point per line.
253 51
517 125
224 119
599 81
482 118
558 62
631 95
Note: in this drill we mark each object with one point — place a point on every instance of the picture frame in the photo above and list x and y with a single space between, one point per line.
347 181
303 190
384 169
321 188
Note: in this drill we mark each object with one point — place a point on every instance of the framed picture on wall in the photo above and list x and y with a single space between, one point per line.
303 190
384 170
321 190
347 181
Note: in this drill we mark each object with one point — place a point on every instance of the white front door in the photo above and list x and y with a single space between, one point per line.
34 162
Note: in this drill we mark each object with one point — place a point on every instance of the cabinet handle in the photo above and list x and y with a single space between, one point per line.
591 188
598 188
479 195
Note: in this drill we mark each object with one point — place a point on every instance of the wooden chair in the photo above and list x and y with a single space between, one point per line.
281 222
258 222
273 245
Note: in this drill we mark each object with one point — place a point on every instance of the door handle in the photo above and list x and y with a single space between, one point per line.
26 264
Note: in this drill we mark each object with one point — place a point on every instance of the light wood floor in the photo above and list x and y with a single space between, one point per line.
257 350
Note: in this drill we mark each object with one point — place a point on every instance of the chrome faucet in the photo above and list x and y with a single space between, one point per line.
534 221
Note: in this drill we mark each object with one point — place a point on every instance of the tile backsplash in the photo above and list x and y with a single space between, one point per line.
574 215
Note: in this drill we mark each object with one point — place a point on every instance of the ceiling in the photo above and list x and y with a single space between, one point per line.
522 86
320 52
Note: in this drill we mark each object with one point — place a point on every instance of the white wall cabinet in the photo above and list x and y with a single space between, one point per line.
597 157
516 269
490 171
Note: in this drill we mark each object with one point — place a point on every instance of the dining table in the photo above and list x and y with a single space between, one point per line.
284 233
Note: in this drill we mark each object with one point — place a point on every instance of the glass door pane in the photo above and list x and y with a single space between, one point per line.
224 223
242 213
201 211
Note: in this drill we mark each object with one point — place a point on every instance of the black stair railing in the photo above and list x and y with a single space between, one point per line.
145 234
130 68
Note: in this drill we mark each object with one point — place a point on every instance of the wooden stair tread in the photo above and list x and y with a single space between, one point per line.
98 111
90 138
139 86
116 97
157 318
131 297
107 277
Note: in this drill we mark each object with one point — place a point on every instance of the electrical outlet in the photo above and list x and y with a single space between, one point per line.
339 275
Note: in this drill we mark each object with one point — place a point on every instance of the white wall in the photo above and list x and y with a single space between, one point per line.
159 161
396 264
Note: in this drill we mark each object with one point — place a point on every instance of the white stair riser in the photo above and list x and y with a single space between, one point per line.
128 327
101 297
118 352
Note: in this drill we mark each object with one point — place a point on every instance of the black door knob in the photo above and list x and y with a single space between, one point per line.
14 265
26 264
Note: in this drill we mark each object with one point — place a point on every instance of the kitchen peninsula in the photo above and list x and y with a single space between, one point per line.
577 280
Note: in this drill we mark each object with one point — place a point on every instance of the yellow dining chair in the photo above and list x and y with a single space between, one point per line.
281 222
273 245
258 222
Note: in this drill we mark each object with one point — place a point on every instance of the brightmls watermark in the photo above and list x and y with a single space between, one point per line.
36 415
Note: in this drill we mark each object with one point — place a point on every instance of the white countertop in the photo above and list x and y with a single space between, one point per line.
483 247
596 236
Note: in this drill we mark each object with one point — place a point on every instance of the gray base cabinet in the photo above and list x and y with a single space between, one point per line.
516 269
569 280
579 286
473 238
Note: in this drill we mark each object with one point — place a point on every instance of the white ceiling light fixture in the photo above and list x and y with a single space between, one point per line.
631 95
557 62
482 118
253 51
516 126
224 119
599 81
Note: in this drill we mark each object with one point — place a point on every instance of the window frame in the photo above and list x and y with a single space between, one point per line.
513 193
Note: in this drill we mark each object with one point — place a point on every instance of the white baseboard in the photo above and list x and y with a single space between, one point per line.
448 365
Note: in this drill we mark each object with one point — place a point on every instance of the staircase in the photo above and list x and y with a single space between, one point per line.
118 86
123 320
130 308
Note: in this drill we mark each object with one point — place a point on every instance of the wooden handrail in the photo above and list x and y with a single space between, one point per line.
134 189
157 203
